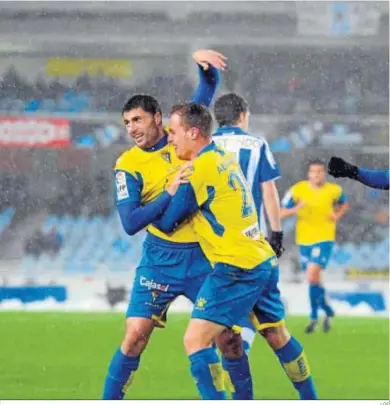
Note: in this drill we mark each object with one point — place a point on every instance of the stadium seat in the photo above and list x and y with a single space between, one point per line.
32 106
6 217
90 243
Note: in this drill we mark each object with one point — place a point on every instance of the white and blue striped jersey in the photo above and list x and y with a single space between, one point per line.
256 160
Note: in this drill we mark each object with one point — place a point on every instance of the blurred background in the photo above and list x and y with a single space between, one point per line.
317 80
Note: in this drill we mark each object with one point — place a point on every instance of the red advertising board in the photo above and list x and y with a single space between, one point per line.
22 132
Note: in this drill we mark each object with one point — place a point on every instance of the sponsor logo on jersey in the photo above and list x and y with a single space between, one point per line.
252 232
152 285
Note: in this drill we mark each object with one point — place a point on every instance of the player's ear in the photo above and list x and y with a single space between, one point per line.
195 133
158 118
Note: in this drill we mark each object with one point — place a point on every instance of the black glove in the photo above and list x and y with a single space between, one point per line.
276 242
338 167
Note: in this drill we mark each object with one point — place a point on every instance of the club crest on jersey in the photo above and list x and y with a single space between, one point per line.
200 303
166 156
155 295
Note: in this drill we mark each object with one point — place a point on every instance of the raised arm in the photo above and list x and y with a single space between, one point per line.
374 178
209 64
378 179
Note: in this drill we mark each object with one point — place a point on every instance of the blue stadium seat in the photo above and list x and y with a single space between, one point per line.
48 105
6 217
32 106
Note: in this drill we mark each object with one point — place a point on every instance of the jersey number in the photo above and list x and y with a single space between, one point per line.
237 183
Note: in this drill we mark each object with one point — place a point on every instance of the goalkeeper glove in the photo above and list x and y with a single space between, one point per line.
276 243
338 167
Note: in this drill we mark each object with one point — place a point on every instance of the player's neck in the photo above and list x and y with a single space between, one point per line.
238 125
200 146
316 186
161 134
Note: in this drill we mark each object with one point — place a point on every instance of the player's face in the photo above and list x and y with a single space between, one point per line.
316 174
181 138
142 127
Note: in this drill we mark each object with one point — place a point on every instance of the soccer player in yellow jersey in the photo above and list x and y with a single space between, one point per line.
171 265
318 205
217 202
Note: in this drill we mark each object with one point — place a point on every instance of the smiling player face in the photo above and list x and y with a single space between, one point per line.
316 175
143 127
181 137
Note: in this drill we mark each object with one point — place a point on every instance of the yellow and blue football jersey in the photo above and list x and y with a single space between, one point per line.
224 215
314 223
150 171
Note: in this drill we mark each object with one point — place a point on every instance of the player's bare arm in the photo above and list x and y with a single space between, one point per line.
340 211
272 207
272 204
288 212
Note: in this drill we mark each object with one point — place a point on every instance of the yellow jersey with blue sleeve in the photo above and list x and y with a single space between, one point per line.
226 223
222 210
141 177
314 223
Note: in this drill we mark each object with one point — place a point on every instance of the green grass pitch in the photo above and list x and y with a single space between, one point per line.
65 356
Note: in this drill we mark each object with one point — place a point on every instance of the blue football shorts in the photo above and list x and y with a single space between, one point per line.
230 293
318 253
166 271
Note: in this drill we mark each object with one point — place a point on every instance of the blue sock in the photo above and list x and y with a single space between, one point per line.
238 376
296 366
324 303
120 375
314 294
207 372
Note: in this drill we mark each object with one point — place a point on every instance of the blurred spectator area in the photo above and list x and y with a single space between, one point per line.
83 93
344 81
63 57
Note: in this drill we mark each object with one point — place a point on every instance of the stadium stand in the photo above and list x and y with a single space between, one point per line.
89 244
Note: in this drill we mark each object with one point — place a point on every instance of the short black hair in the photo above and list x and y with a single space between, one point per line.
316 162
227 109
148 103
195 115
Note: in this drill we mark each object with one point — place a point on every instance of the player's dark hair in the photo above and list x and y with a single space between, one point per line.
195 115
148 103
227 109
316 162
